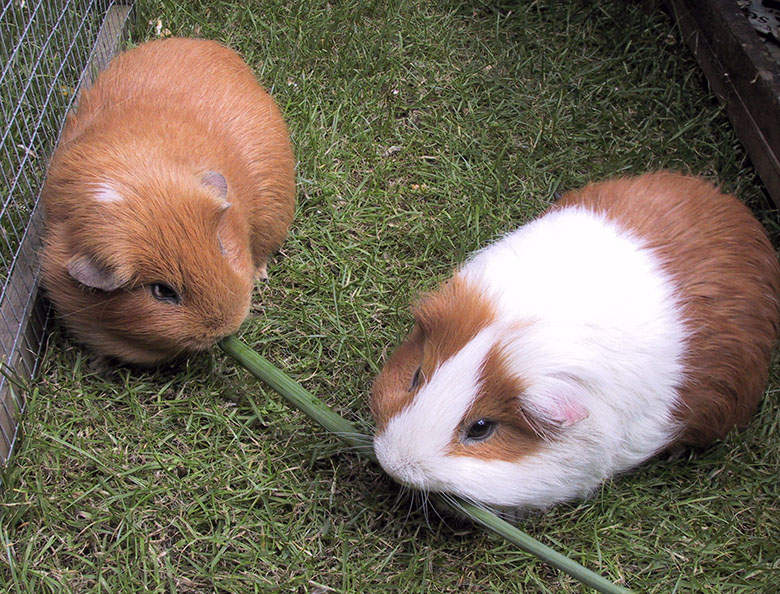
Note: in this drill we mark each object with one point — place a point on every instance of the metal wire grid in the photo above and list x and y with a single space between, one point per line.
48 49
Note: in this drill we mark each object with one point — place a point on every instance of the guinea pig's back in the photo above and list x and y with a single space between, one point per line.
173 73
205 102
727 282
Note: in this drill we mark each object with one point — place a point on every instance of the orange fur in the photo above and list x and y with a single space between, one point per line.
518 434
440 331
728 281
155 123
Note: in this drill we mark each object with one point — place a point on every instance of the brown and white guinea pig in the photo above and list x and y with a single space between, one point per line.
632 317
172 184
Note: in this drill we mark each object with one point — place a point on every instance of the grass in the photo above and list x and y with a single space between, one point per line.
324 417
422 130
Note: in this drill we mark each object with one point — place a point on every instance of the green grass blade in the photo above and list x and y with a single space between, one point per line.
296 395
291 390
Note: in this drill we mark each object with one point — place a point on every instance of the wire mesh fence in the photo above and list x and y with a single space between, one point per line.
49 49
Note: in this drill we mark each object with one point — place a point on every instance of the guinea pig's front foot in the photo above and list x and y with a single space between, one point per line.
675 452
261 272
450 513
103 366
448 508
516 515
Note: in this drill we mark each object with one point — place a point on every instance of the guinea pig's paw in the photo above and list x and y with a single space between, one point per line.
675 452
102 366
261 274
516 515
450 512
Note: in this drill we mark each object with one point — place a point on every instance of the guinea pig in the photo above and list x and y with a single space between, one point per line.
172 184
634 316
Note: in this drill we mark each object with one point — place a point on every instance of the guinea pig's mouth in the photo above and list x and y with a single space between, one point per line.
195 345
205 340
436 475
149 352
210 334
405 471
411 477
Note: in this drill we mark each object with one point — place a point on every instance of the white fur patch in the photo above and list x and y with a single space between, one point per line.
106 193
415 441
588 318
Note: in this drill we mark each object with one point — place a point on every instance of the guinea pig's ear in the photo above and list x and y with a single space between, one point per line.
559 403
90 273
217 183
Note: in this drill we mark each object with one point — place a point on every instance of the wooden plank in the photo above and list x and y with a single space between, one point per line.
743 76
108 43
21 332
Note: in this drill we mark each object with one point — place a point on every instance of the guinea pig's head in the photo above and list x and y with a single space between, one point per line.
147 269
468 404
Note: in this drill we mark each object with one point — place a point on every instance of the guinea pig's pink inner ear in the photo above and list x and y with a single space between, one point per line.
87 271
216 182
559 405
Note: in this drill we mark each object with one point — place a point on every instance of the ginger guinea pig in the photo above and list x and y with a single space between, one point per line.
171 185
634 316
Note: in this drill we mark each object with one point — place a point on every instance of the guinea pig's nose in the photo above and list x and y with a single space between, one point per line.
214 328
399 463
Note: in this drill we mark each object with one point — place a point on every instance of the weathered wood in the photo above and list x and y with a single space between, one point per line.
743 76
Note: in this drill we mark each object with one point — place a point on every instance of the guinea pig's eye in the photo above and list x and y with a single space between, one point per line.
416 379
164 293
481 429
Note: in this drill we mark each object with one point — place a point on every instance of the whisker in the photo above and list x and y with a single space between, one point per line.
355 442
359 437
426 504
88 307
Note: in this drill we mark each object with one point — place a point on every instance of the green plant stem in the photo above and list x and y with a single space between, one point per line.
296 395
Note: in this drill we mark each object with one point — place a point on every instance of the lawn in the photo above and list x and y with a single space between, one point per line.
422 130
